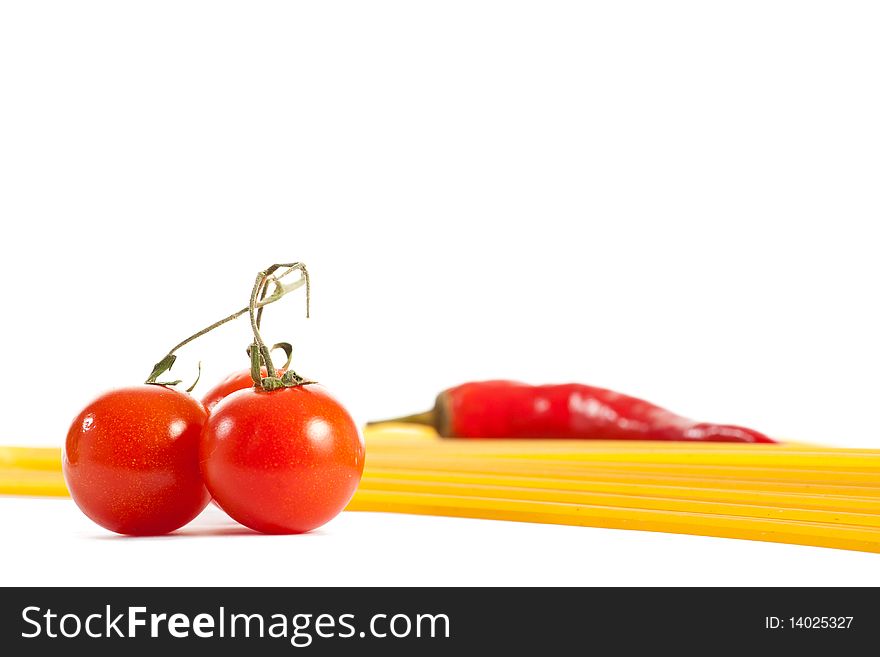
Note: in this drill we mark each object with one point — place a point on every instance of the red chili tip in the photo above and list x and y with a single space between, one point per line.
725 433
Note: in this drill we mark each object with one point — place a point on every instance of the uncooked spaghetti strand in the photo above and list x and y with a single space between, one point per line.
589 498
581 468
801 533
708 493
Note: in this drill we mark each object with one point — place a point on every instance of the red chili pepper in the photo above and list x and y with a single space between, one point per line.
507 409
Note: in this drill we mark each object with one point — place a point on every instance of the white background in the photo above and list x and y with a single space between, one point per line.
678 200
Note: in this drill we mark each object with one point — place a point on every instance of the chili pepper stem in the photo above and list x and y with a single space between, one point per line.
438 418
427 418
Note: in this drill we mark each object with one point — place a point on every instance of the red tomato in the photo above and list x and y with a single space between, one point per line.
233 382
281 462
131 460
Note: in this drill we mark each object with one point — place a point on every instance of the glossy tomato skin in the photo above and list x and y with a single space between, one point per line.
232 383
131 460
282 462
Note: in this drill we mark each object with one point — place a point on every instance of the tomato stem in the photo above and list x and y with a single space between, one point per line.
260 353
263 290
257 305
286 347
196 382
256 361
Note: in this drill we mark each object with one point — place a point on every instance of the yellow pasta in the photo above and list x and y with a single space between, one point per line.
18 481
709 491
589 498
780 531
633 454
789 493
565 469
36 458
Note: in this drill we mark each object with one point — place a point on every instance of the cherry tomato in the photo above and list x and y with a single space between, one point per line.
281 462
131 460
237 381
232 383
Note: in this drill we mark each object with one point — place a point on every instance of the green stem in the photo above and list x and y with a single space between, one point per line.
271 381
261 348
256 305
428 418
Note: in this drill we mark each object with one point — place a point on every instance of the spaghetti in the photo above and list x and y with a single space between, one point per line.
788 493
